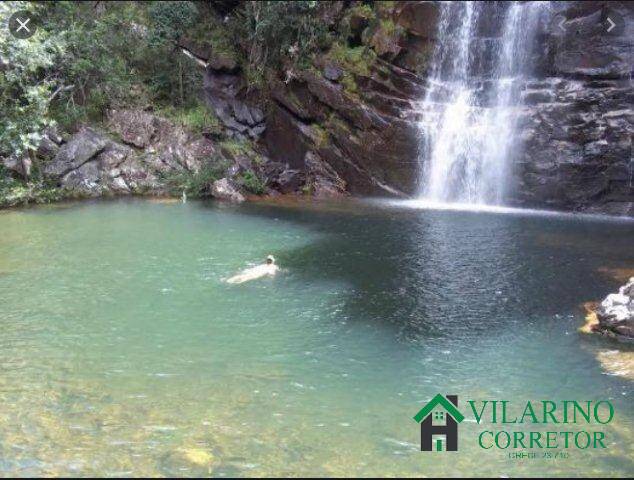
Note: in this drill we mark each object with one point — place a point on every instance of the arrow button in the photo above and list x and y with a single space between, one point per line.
613 23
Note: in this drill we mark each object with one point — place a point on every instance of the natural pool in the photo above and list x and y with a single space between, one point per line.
122 352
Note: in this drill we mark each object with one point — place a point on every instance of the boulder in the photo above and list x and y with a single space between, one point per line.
153 148
82 146
135 127
287 181
47 149
616 314
385 41
332 72
223 189
19 164
53 134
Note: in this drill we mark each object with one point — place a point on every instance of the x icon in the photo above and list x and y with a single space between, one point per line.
23 24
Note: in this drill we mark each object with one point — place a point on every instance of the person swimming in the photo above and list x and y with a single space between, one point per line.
269 268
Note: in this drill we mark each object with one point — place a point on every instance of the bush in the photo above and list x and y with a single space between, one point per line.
195 184
250 181
27 82
169 20
281 34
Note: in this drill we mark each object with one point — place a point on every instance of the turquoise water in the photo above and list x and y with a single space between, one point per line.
124 353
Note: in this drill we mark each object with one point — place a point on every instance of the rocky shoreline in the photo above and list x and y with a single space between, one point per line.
142 153
614 316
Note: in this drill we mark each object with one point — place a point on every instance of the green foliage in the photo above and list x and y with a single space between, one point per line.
169 20
251 182
236 148
363 10
27 82
15 193
98 67
280 34
195 184
196 119
355 61
87 57
321 135
219 36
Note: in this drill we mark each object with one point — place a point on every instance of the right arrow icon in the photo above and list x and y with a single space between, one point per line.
613 23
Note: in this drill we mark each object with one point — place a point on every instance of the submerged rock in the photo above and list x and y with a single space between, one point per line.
617 363
197 456
615 314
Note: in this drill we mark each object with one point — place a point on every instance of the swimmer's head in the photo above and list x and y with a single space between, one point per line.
270 260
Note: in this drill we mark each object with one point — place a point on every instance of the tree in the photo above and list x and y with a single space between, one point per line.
27 82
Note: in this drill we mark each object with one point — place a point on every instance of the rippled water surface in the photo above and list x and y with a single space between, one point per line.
122 352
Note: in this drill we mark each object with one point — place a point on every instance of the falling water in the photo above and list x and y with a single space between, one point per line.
482 58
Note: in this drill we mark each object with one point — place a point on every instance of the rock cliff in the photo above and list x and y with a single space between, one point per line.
576 123
348 122
575 149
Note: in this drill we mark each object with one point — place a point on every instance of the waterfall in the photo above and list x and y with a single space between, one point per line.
481 59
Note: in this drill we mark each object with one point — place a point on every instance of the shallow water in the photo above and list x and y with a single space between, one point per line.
122 352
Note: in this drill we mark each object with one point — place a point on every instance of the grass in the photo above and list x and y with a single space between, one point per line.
355 61
197 119
235 147
250 181
321 135
195 184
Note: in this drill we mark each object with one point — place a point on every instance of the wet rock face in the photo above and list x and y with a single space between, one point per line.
575 127
224 93
365 142
584 48
574 139
616 313
576 146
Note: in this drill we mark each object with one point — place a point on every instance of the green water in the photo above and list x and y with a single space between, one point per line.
123 353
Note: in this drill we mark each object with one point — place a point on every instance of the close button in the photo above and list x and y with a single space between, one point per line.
22 24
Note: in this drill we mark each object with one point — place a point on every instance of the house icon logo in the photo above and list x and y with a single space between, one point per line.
439 420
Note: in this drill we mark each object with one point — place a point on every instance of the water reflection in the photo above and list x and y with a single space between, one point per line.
122 353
